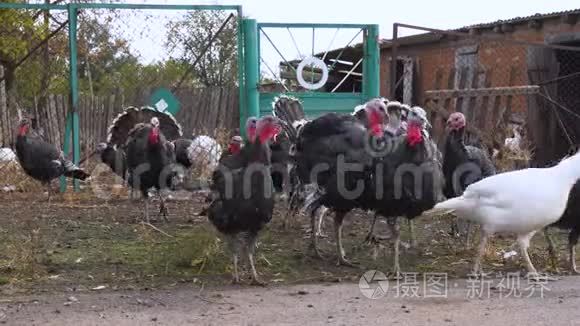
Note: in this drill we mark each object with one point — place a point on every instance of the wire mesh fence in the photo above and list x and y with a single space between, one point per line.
510 91
123 57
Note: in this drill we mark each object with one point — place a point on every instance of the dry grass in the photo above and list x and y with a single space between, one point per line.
11 174
508 160
90 242
24 253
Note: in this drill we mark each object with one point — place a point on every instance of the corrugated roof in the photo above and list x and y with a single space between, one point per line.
429 37
524 19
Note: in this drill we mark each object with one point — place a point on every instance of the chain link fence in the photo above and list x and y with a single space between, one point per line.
511 92
123 57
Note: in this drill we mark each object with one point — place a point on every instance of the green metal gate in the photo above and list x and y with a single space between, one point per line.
316 102
71 137
253 99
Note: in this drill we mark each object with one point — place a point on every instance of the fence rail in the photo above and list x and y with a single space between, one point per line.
203 110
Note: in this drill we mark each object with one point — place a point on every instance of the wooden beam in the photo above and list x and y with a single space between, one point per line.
491 91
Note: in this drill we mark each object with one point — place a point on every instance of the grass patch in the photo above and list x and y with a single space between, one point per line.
86 244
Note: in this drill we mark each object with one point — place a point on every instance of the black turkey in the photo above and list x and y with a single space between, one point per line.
243 201
113 152
118 131
114 158
462 165
150 162
234 148
323 148
569 221
144 136
396 126
411 178
291 114
43 161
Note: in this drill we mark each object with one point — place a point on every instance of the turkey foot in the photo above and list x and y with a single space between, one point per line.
342 261
163 210
316 252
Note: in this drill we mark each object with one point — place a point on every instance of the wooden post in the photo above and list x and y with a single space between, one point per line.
3 106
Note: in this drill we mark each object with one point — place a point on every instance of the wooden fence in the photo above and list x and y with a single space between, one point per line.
488 109
5 122
203 110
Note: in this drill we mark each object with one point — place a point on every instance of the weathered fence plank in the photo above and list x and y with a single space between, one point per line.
203 110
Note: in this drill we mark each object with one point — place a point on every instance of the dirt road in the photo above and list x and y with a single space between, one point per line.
320 304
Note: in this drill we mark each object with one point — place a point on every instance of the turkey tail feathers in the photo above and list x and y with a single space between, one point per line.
289 110
127 120
445 207
73 171
77 174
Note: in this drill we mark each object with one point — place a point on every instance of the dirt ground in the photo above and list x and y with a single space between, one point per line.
312 304
123 272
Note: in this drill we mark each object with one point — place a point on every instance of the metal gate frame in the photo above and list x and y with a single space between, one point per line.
259 103
72 119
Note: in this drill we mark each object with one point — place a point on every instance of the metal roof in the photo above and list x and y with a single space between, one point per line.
429 37
517 20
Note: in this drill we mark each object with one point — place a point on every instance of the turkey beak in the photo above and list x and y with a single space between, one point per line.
448 125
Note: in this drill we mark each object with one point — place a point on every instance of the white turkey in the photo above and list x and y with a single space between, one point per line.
7 155
202 149
514 143
202 153
521 202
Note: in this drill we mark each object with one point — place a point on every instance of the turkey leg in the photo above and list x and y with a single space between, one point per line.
338 218
48 191
524 242
251 247
551 250
162 208
370 238
412 233
313 235
482 244
395 230
572 241
147 210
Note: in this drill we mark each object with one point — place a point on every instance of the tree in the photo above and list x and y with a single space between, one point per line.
187 39
17 31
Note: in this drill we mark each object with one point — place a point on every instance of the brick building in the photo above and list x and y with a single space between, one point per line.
493 56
